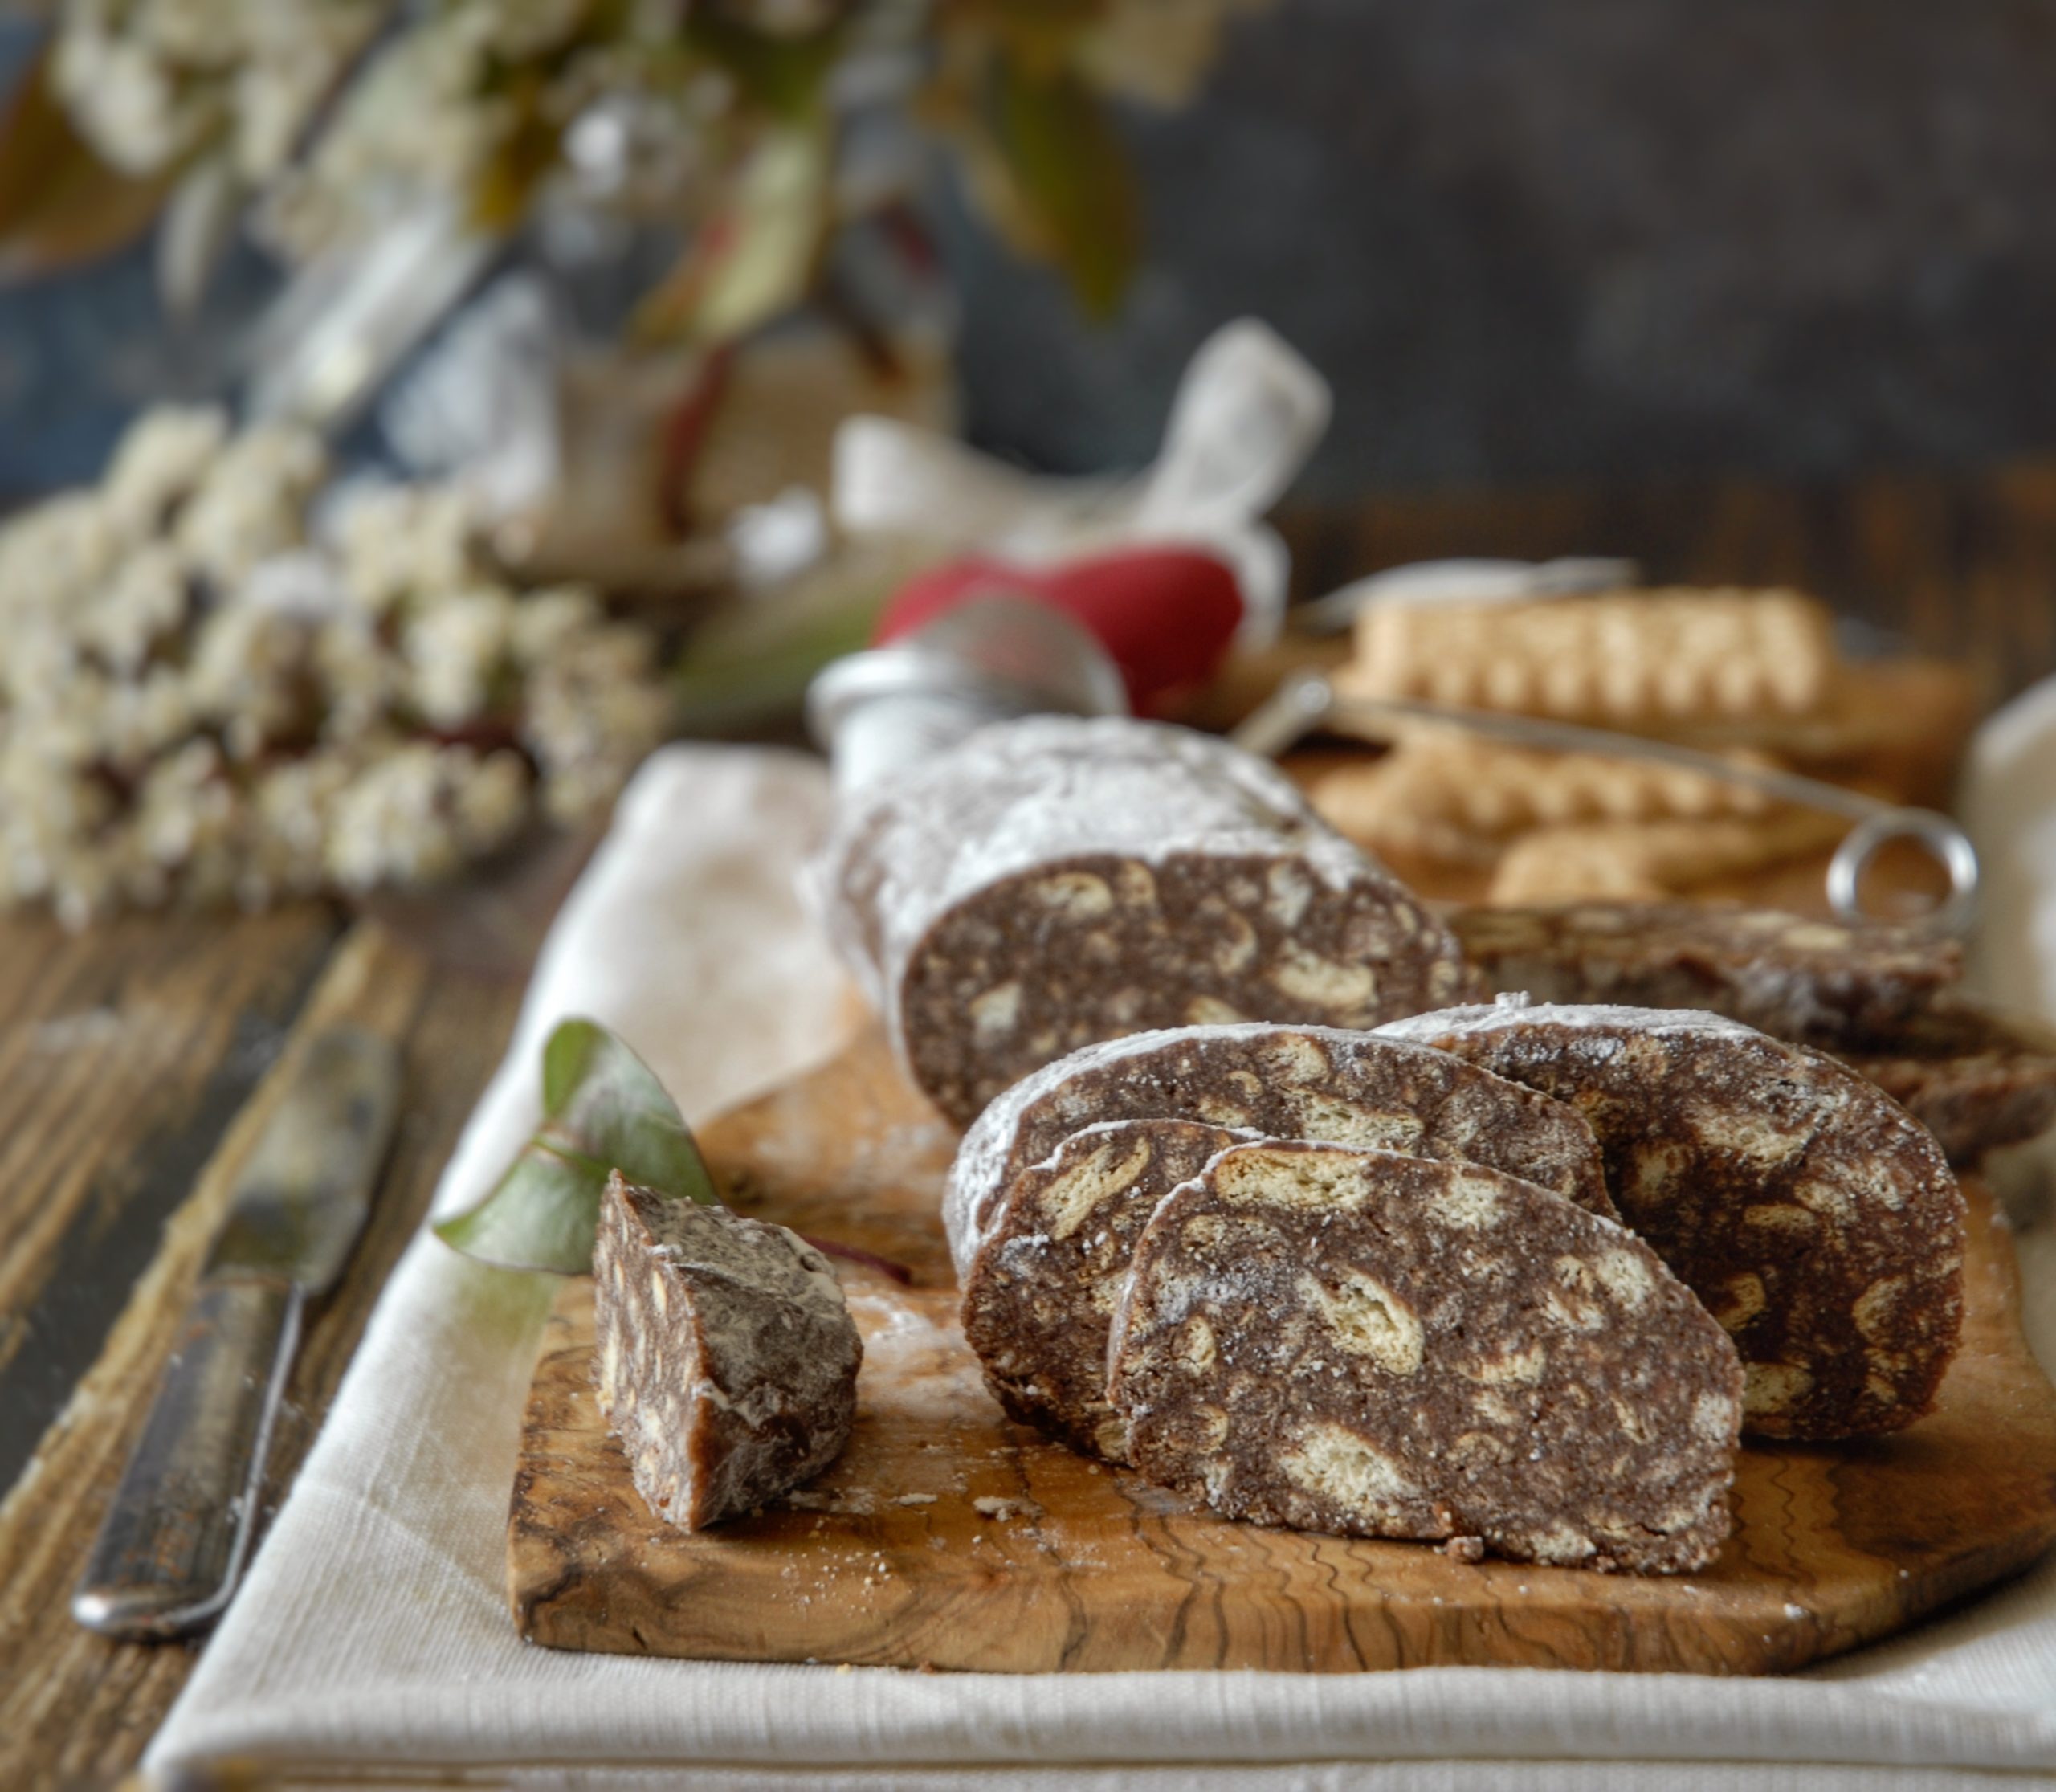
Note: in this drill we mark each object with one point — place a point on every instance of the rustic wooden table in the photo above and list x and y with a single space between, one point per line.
136 1061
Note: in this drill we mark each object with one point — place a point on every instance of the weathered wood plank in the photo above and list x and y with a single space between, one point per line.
74 1708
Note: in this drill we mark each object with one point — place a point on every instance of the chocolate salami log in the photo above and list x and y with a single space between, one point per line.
727 1359
1817 981
1817 1219
1055 881
1323 1083
1356 1341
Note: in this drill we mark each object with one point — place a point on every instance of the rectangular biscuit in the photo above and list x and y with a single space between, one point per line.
1621 659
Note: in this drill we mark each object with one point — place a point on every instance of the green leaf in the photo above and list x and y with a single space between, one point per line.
603 1110
1070 176
754 260
60 205
746 669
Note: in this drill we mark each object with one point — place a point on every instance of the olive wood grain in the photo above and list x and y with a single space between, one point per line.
888 1559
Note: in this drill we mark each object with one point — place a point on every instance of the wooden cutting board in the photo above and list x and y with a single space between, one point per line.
947 1536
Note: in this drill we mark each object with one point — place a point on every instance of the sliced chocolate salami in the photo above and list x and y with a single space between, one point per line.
1379 1345
1056 881
1976 1079
1040 1293
1343 1087
1817 1219
1820 982
727 1359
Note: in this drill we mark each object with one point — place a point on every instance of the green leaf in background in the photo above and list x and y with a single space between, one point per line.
60 204
754 260
603 1110
1070 174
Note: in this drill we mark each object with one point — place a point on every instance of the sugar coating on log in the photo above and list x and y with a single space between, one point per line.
1817 1220
1056 881
1335 1084
1357 1342
725 1357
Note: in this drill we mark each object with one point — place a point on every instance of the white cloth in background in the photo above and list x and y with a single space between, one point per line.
373 1631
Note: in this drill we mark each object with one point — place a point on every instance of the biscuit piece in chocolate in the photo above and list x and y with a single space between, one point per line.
1040 1292
1054 881
1821 983
1330 1084
727 1359
1817 1219
1357 1342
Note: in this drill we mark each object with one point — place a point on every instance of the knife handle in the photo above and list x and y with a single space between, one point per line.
173 1543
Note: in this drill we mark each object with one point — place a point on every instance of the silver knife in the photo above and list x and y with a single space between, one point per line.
174 1541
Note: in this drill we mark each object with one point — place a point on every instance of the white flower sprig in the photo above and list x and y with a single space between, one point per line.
200 702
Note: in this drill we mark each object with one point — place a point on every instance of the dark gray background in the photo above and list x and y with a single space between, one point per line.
1526 239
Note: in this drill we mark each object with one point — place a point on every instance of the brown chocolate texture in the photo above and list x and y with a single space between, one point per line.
1819 982
1340 1085
1819 1221
1380 1345
725 1356
1057 881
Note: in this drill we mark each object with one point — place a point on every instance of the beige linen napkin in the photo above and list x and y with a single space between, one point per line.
373 1633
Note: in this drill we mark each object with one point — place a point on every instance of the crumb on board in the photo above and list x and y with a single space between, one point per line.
994 1505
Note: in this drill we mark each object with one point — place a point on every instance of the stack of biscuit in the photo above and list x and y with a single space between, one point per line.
1754 676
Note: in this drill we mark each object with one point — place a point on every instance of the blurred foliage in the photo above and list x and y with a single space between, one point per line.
59 202
758 127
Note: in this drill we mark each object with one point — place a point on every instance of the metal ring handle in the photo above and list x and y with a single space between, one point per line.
1944 842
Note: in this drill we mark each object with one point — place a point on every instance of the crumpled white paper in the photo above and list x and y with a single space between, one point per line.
1249 412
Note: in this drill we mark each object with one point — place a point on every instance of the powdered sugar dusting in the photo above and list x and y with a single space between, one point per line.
1464 1112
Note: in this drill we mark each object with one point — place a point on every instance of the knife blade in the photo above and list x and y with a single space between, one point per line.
175 1540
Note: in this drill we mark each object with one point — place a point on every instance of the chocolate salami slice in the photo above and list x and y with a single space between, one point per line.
1357 1342
1815 1217
1976 1079
1818 981
1040 1293
1330 1084
726 1358
1056 881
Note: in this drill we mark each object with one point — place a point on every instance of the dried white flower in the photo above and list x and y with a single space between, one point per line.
456 653
142 602
399 540
251 504
160 460
196 705
421 812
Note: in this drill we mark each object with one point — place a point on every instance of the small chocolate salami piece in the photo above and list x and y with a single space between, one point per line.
1055 881
1821 982
1043 1287
1342 1086
1356 1341
1815 1217
727 1359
